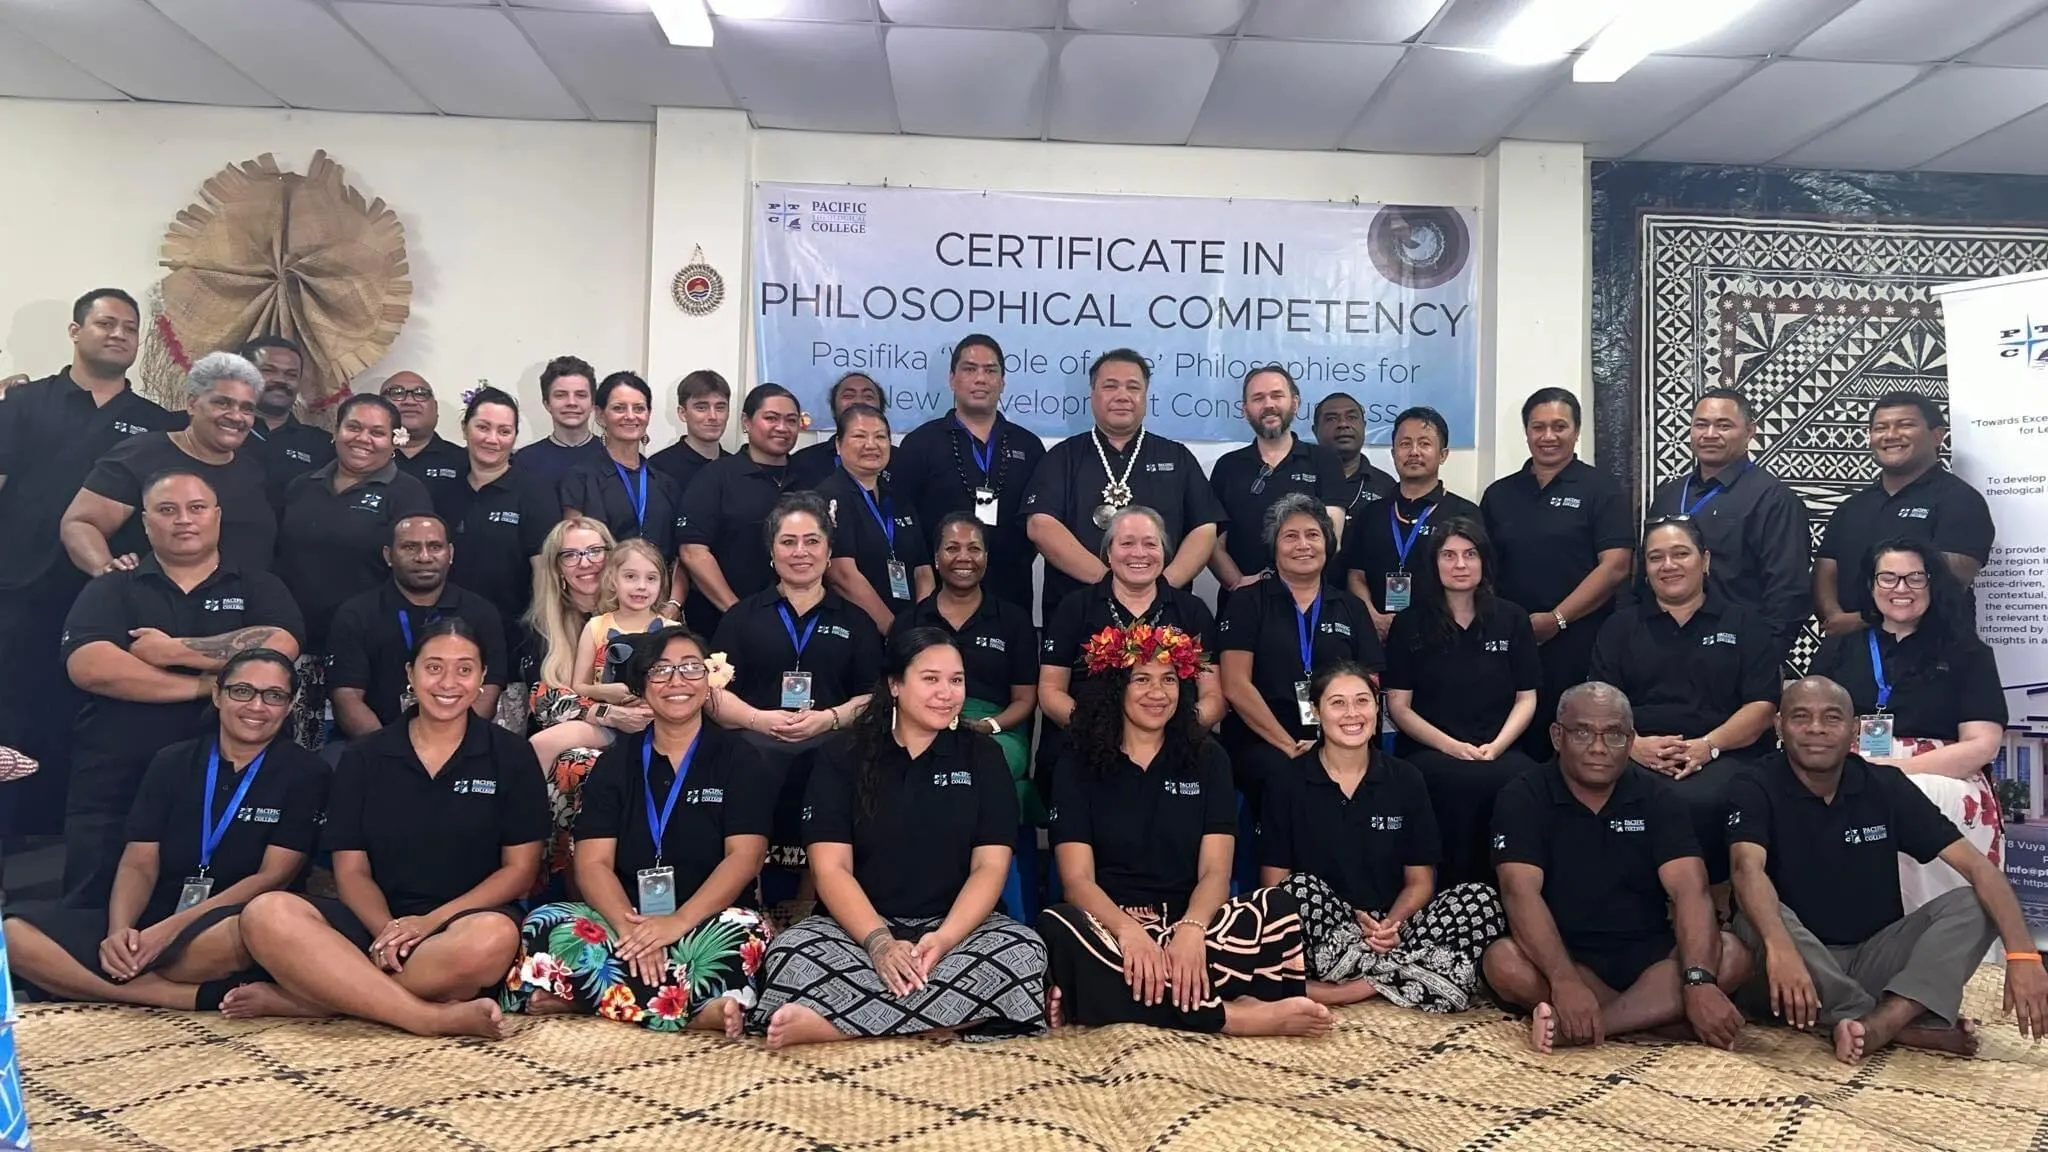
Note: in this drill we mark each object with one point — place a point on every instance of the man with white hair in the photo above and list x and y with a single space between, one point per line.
100 530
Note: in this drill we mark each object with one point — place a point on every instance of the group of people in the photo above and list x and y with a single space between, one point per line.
1420 749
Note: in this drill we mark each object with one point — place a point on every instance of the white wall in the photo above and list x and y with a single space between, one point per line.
526 240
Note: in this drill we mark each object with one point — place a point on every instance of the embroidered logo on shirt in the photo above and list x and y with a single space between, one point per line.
1388 823
1048 645
1625 826
1338 628
440 474
1496 645
502 518
301 457
948 779
127 429
257 815
224 604
1030 499
836 630
1913 513
1369 496
1564 501
1500 841
1014 453
809 813
476 787
992 643
1734 817
1183 788
1302 477
706 796
1719 638
1160 466
1868 834
370 502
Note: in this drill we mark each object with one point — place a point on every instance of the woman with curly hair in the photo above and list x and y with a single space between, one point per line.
1143 828
668 848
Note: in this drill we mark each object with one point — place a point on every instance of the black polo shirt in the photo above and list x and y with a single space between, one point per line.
912 854
1599 868
440 467
937 468
724 509
545 463
1938 507
431 838
1357 844
287 452
1756 529
1089 610
51 435
856 533
114 739
1547 538
681 463
367 649
729 792
1466 687
1263 621
496 531
809 466
1068 487
1936 687
330 545
1369 546
998 644
1246 488
283 807
1685 680
1836 865
248 520
1366 488
1146 824
843 654
596 489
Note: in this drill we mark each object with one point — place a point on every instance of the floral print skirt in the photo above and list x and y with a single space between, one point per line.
568 950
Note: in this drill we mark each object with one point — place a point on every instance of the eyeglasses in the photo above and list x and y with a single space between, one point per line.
1913 580
243 693
687 669
1584 737
591 555
421 393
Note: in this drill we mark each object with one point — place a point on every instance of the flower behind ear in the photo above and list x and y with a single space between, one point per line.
718 671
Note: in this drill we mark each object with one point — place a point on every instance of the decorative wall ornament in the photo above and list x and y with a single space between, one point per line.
698 288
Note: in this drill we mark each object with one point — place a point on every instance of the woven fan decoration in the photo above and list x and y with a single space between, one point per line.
266 251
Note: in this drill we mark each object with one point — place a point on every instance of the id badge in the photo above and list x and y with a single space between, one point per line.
899 580
1301 701
1400 586
195 892
985 506
796 690
657 891
1874 735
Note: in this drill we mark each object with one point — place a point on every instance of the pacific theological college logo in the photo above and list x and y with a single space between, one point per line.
2029 340
843 217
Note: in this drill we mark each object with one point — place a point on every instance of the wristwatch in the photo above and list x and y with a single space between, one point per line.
1713 751
1562 623
1694 977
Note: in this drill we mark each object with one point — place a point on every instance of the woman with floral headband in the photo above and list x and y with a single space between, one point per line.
1143 827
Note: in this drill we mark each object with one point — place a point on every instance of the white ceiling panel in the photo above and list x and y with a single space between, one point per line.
639 6
1179 18
1131 89
1777 109
1271 94
621 65
974 13
1616 119
2023 47
831 78
830 11
1769 29
1449 102
1381 22
1913 31
132 47
468 61
970 82
299 52
1474 23
2021 146
1933 116
29 69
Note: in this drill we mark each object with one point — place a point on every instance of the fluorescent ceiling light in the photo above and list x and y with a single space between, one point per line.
1652 26
684 22
1547 30
747 9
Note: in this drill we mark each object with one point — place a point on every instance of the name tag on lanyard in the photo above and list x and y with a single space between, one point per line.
985 506
1874 732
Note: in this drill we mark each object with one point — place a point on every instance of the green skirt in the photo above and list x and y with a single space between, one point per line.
1016 748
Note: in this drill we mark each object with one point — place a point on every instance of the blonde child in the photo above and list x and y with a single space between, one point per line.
634 578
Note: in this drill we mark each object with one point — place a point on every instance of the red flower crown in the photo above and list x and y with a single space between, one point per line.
1143 644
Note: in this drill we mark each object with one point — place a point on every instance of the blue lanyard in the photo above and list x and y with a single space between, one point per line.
211 833
1685 492
887 522
640 502
984 455
658 824
1305 627
1884 688
1403 546
789 626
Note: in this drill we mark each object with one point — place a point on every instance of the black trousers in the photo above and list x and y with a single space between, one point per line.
38 702
1566 658
1462 792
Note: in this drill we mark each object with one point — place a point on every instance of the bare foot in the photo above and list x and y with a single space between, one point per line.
1349 992
547 1004
1294 1016
723 1014
1054 1017
1960 1040
796 1024
479 1017
1543 1029
251 1001
1849 1041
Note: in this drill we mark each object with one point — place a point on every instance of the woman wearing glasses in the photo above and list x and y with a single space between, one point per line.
1702 675
216 821
668 848
1928 698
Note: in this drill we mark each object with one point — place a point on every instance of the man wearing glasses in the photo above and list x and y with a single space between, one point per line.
440 464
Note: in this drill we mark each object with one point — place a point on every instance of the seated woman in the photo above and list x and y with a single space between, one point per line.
1929 697
216 822
436 825
666 936
909 825
1143 826
635 575
1702 676
1277 634
1462 678
1350 832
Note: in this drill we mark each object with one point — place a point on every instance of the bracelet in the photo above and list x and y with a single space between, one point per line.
994 729
834 713
2017 957
867 942
1197 925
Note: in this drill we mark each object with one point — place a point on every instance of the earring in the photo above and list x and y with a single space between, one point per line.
954 723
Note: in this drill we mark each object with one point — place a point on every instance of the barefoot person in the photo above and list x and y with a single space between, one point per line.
436 826
217 821
668 848
1589 850
1144 825
1815 837
909 826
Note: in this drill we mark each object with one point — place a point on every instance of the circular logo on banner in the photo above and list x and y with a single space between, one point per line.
698 289
1418 247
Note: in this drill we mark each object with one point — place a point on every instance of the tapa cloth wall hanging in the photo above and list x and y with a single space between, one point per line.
270 252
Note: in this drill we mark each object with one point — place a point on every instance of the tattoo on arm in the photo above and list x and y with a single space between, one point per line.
228 643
